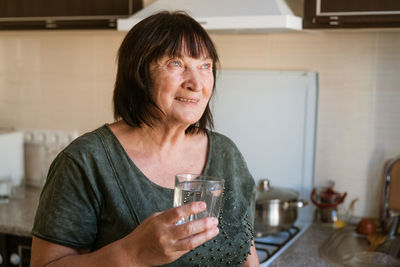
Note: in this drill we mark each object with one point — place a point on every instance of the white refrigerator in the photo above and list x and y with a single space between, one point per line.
271 116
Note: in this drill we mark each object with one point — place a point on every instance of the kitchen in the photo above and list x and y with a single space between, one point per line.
63 80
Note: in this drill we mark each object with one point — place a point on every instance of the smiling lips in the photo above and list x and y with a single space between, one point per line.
187 100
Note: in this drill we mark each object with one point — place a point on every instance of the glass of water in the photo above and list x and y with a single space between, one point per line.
196 187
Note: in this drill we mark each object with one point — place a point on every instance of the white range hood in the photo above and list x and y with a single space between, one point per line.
226 15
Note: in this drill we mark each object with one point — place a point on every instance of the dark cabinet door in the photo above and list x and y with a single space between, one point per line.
15 250
64 14
351 13
60 8
19 250
3 251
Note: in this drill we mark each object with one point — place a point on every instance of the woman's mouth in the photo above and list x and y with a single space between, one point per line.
187 100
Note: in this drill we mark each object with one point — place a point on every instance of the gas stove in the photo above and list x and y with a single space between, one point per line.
271 246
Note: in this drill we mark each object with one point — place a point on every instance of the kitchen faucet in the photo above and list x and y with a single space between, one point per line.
390 218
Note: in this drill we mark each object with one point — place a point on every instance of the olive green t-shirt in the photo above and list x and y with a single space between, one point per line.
94 195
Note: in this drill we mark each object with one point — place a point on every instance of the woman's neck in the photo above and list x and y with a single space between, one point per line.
160 140
161 154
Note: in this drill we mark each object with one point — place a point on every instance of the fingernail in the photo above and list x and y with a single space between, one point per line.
216 231
214 220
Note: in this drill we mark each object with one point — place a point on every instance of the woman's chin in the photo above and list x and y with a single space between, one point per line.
188 119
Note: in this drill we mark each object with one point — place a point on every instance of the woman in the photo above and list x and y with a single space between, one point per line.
108 196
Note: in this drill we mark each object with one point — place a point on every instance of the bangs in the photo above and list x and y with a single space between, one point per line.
180 36
190 45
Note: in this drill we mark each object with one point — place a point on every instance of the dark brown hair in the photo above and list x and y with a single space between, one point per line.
160 34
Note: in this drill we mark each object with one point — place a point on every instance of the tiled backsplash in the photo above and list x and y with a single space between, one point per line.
64 80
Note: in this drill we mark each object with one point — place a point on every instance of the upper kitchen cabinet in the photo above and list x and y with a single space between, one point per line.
351 13
64 14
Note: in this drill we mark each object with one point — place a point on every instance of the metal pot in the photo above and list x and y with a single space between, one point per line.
276 208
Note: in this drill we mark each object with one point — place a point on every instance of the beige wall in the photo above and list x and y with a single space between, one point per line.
64 80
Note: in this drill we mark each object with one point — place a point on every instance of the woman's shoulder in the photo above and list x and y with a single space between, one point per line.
221 141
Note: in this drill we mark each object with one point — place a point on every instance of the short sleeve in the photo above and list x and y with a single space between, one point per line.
68 209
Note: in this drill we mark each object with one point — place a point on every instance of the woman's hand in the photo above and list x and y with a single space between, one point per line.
158 240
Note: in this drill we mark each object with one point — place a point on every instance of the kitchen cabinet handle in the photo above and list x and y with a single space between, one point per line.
15 259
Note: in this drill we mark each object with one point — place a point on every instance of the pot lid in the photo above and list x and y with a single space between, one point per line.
266 192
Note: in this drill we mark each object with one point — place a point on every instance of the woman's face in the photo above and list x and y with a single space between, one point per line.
182 87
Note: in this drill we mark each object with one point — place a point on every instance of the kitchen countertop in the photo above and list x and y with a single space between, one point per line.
305 250
16 216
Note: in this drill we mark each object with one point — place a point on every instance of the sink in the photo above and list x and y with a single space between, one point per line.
346 247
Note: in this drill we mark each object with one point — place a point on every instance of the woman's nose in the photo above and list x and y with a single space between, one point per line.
192 80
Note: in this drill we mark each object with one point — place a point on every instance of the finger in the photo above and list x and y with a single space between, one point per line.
194 227
172 216
154 214
196 240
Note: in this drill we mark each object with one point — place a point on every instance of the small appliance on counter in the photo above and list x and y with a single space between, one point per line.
41 148
11 164
25 157
327 200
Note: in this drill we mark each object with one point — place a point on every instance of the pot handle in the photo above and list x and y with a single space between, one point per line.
298 203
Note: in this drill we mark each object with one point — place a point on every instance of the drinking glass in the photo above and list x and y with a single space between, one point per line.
196 187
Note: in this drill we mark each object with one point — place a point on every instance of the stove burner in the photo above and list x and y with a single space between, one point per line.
271 244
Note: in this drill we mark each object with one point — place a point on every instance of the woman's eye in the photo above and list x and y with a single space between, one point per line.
206 66
175 63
